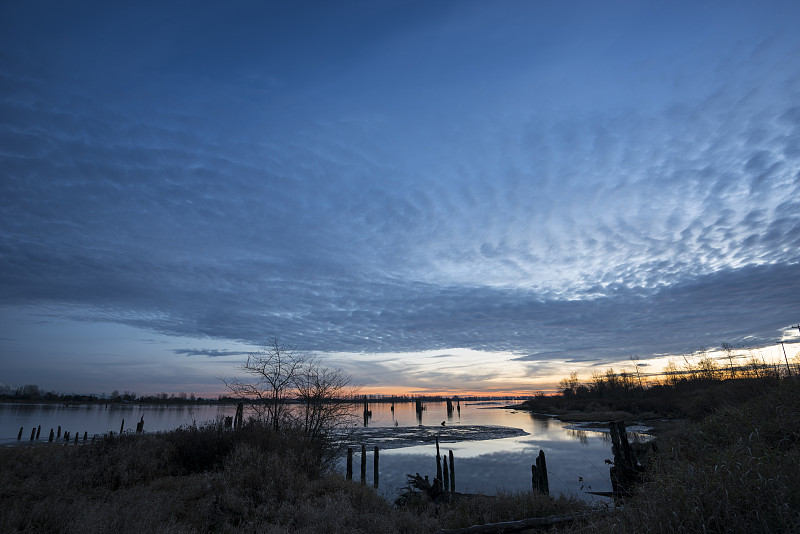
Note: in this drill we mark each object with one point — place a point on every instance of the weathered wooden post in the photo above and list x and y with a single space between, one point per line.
228 421
76 437
452 473
539 474
624 472
375 470
38 431
19 436
51 436
445 476
237 421
140 426
33 434
66 437
438 462
85 435
122 427
58 436
349 475
364 464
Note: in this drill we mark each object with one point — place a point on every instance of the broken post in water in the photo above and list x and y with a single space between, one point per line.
51 436
452 473
375 470
445 476
33 434
121 427
38 431
438 463
625 471
364 465
349 475
539 474
237 420
19 436
140 426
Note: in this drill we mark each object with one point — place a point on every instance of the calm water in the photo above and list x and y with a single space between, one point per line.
406 446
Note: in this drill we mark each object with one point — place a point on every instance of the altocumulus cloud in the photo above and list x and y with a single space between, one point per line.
407 179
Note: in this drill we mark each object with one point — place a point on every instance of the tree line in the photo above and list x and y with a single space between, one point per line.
700 366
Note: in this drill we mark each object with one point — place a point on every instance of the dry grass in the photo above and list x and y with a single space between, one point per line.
736 471
211 480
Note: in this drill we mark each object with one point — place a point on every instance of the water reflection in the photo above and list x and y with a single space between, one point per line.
493 447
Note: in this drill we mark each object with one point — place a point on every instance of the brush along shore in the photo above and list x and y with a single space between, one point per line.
733 470
209 479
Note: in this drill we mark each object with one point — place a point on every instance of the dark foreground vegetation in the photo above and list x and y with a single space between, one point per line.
733 470
210 479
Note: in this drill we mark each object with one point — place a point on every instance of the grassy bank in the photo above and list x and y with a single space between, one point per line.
735 470
211 480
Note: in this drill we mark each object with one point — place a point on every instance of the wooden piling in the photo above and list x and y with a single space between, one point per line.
85 435
76 437
140 426
625 470
122 427
445 476
51 436
66 437
438 462
349 475
19 436
364 464
375 470
237 420
38 431
452 473
33 434
58 436
539 474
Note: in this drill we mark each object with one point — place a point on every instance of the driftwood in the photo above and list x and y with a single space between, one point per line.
516 526
432 490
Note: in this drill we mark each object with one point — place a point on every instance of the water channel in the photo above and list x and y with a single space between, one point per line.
493 446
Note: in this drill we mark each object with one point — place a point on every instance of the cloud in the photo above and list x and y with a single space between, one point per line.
575 203
211 353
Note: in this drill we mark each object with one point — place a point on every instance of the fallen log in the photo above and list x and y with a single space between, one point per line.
518 526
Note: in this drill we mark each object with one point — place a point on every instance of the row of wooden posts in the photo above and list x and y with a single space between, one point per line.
375 462
37 430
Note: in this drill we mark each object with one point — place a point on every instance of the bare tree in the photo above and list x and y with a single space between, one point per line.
281 377
274 371
728 348
321 392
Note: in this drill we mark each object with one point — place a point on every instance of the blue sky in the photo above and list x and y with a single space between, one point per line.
433 196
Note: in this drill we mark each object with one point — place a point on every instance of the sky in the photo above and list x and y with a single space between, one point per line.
433 196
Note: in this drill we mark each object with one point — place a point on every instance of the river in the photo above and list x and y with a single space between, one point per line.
493 446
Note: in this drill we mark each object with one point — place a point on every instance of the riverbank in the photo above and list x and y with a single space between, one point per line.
733 470
208 479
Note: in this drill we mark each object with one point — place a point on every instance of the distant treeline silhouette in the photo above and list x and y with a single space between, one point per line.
32 392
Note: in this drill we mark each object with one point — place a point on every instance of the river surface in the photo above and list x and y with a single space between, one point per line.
493 446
